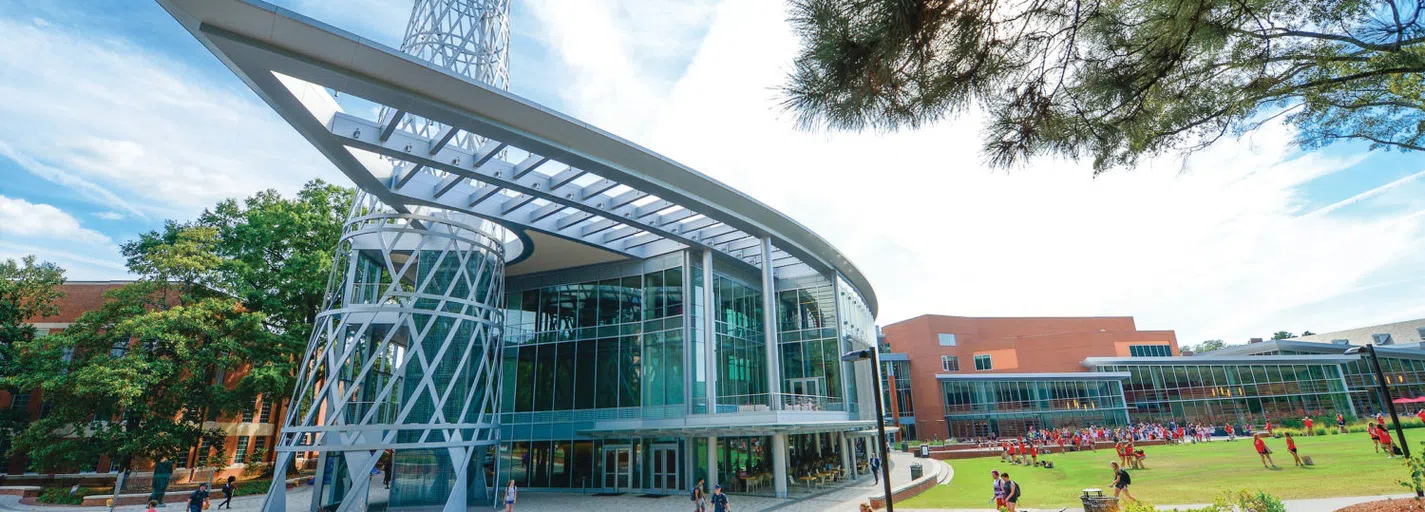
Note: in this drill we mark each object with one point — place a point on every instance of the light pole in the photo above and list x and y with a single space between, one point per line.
870 354
1370 350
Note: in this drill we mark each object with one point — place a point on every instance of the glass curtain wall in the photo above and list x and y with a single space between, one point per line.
975 408
900 370
601 342
808 344
1406 378
1232 393
741 344
857 323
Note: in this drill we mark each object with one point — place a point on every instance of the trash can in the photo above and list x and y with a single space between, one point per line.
1095 501
905 447
916 471
924 451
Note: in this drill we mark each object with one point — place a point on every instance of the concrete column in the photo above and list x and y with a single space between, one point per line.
709 332
845 453
779 464
712 461
769 312
851 450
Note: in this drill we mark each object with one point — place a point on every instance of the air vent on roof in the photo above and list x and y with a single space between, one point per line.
1383 339
1340 342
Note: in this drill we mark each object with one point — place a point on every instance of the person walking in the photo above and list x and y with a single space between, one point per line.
1308 422
699 501
1121 481
1375 436
719 500
511 493
998 498
1011 492
198 499
1385 442
1291 447
1264 452
229 489
875 468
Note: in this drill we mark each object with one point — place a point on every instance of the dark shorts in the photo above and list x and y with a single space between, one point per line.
1121 486
1012 499
1293 450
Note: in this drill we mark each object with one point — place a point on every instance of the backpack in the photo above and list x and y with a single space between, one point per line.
693 494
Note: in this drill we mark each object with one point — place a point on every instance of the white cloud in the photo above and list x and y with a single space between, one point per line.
23 218
110 215
1220 249
136 131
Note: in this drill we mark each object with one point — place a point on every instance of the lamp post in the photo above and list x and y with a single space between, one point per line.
1370 350
870 354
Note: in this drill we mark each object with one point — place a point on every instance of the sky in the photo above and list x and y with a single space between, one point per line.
116 119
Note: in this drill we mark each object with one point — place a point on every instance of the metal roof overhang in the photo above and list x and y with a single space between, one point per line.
1035 376
567 179
1094 362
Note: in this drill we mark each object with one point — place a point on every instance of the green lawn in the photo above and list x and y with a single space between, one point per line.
1346 465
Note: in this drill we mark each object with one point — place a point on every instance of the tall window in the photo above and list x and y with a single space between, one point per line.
947 339
241 454
265 413
1150 350
259 449
20 401
950 363
247 415
983 363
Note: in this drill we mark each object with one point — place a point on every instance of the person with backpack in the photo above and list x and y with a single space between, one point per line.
699 501
229 489
1121 481
1011 492
719 500
199 499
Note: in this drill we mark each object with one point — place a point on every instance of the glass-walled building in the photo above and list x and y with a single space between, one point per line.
1403 366
571 311
1237 390
1010 404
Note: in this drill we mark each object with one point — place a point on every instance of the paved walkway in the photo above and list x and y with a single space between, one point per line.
841 498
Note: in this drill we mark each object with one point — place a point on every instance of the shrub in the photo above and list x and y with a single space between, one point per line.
61 495
1248 501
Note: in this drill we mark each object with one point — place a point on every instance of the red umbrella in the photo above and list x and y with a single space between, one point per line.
1415 400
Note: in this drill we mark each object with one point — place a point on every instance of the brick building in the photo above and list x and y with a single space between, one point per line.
1009 355
253 430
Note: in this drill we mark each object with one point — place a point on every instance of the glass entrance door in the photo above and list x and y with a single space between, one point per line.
618 467
665 468
808 386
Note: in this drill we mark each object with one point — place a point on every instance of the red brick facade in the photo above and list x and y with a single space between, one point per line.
83 296
1014 345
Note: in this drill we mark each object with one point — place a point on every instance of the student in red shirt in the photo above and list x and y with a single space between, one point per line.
1231 436
1269 428
1034 454
1307 421
1264 452
1291 447
1384 436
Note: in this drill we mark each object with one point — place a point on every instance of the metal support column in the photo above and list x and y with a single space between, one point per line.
710 331
769 313
779 464
712 462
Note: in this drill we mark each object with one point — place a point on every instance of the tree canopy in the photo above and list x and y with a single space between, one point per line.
1114 80
1207 346
1281 335
219 316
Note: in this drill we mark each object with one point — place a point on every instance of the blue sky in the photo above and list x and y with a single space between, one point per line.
117 120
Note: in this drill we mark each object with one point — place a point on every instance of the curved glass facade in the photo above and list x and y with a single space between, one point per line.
1238 393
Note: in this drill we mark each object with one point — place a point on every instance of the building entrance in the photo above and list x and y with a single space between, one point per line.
665 468
618 467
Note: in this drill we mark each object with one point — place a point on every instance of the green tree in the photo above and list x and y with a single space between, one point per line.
1207 346
219 316
276 258
28 290
138 377
1307 333
1115 80
1281 335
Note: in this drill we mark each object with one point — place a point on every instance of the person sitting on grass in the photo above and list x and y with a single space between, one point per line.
1291 447
1121 481
1264 452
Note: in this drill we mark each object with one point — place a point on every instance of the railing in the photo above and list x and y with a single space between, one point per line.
780 401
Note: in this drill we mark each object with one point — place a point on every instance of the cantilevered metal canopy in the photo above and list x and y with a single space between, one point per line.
537 170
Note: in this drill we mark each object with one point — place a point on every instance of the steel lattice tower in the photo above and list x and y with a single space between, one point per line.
404 363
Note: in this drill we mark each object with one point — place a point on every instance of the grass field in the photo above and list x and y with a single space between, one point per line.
1346 465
